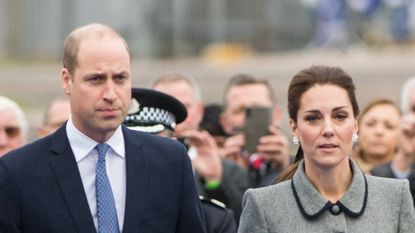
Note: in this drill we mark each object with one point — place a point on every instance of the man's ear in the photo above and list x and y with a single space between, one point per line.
66 81
201 111
224 123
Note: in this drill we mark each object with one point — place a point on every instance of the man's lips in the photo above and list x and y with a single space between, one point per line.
109 111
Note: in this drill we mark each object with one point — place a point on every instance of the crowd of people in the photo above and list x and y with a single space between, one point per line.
116 158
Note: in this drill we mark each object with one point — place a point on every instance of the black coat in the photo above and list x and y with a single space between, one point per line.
233 185
385 170
218 218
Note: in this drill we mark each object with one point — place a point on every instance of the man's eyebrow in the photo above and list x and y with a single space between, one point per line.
95 74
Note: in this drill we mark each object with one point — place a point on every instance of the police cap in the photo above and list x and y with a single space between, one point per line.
153 111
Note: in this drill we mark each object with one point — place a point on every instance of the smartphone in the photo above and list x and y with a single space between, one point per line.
257 121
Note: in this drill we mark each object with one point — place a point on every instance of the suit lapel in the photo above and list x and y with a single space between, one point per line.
137 174
67 175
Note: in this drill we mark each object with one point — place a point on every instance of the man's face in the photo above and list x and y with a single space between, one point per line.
239 98
58 114
182 91
11 135
411 102
100 88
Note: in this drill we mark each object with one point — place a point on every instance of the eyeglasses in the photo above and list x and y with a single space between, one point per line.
11 131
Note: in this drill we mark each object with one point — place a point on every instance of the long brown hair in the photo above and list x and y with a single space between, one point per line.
302 82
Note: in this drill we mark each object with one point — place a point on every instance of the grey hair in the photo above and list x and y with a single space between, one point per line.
406 91
8 104
175 77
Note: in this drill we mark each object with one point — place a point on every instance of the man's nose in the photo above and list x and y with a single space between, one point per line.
109 91
3 137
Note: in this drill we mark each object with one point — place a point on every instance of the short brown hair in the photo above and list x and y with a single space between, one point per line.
74 39
245 79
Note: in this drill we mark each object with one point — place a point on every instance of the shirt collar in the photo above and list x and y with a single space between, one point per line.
312 204
81 144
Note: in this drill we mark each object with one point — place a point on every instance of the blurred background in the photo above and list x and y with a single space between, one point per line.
212 40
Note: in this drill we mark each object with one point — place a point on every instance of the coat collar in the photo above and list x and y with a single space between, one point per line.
312 204
137 179
63 164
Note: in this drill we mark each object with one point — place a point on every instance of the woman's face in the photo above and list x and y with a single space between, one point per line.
379 130
325 125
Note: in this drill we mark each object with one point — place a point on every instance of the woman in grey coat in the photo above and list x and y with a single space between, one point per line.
324 190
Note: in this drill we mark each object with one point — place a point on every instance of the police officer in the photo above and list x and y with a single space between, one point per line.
158 113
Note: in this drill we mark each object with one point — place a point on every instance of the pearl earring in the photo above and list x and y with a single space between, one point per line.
296 141
355 137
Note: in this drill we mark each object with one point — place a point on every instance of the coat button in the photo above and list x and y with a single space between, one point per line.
335 209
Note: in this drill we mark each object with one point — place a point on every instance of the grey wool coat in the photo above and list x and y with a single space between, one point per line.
371 204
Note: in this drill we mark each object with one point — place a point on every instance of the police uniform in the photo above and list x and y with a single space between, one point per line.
156 113
218 218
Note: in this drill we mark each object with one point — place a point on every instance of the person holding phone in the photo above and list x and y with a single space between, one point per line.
242 118
324 190
215 177
159 114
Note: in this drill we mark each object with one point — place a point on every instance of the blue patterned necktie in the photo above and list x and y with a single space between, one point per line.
106 211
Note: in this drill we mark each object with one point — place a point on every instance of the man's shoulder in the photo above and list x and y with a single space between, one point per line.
146 137
151 142
217 216
28 156
30 148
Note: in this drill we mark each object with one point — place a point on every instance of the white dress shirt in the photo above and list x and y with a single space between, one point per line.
86 157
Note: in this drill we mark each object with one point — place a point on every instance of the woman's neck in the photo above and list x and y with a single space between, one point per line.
376 160
331 183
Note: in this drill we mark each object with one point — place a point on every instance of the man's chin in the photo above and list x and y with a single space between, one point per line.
111 124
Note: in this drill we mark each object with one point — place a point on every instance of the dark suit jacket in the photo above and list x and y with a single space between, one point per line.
41 188
231 190
219 219
385 170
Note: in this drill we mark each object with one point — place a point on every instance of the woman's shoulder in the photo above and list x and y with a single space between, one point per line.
279 189
385 188
386 183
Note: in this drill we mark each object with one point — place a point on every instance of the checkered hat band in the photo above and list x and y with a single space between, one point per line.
148 115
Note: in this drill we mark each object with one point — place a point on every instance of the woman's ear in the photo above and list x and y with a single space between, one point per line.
293 127
356 125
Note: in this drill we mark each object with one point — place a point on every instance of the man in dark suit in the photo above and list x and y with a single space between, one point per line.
92 174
